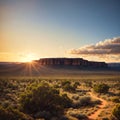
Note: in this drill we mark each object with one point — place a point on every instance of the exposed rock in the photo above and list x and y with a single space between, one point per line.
71 62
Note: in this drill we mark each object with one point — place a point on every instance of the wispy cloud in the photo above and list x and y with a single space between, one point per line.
107 49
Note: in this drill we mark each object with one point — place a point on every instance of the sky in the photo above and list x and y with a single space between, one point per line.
34 29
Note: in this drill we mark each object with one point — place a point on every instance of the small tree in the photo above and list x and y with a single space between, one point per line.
101 88
69 88
76 84
116 112
65 83
12 114
45 99
85 101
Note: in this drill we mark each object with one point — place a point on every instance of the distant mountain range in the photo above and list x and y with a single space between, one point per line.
56 66
114 64
66 61
70 62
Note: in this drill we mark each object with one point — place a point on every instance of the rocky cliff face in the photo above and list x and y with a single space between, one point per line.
70 61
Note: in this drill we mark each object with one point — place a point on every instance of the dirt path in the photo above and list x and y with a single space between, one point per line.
101 106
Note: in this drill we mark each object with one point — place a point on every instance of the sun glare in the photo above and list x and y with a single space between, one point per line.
29 58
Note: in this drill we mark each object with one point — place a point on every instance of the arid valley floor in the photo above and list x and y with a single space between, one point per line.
47 93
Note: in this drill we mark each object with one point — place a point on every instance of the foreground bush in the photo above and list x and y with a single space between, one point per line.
116 112
69 88
80 116
12 114
116 99
85 101
42 100
6 86
101 88
76 84
66 85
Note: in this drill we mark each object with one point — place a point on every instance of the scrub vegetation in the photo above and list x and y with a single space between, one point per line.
33 98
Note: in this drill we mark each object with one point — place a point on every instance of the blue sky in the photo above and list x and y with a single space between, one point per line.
49 28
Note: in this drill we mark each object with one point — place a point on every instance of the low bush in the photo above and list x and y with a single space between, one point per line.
76 84
68 88
79 116
116 99
101 88
88 83
83 101
75 97
12 114
44 98
105 118
65 82
6 85
116 112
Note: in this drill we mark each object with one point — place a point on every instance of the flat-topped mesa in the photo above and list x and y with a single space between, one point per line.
71 62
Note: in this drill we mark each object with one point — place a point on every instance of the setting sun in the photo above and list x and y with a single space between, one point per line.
59 60
28 58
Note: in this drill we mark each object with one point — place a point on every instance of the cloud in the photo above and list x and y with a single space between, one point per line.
107 50
108 46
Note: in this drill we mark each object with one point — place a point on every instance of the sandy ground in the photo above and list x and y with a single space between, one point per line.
101 107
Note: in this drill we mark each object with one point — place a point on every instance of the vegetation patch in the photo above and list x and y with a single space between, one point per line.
116 112
44 101
101 88
12 114
23 98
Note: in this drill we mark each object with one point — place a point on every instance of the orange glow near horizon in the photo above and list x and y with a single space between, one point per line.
28 58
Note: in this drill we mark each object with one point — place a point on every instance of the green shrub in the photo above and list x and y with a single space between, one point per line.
101 88
105 118
116 112
85 101
65 82
76 84
69 88
116 99
44 98
79 116
75 97
5 85
12 114
88 83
